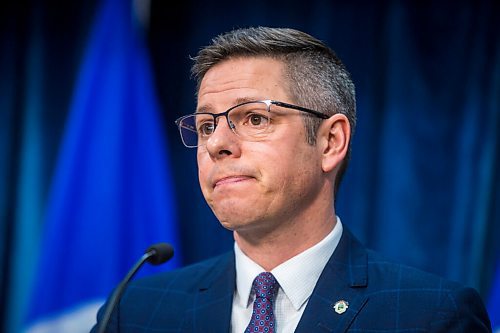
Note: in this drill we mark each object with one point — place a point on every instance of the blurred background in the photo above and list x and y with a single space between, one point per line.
92 169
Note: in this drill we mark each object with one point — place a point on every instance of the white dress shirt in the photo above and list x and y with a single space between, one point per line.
297 278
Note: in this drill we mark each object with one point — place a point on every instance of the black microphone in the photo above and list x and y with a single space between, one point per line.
156 254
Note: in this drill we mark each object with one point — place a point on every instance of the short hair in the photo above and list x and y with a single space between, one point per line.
315 76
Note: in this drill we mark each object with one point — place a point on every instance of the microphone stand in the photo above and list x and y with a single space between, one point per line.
156 254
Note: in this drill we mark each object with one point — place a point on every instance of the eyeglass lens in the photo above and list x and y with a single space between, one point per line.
248 120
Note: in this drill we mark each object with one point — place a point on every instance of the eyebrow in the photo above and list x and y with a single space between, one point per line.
204 108
208 108
241 100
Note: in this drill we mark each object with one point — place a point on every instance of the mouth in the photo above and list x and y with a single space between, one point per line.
230 180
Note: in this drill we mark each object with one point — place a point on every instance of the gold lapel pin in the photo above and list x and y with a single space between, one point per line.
341 306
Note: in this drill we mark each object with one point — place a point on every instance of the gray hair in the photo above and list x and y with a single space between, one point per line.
316 77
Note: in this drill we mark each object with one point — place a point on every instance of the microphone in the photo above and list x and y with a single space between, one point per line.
156 254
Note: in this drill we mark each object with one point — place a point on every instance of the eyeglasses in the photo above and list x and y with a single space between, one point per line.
249 120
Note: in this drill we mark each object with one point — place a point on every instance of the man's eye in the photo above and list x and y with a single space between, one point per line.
257 120
206 128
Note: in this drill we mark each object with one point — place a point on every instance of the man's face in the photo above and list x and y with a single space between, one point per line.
263 184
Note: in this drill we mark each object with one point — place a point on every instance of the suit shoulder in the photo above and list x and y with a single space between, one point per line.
185 277
385 271
444 305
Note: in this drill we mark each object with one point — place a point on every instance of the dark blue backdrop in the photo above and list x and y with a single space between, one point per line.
423 183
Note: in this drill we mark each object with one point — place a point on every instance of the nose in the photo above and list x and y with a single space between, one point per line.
223 142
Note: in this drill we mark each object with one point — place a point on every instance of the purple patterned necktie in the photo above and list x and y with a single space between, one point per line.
265 287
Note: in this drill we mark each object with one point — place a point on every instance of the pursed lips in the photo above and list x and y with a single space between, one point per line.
231 179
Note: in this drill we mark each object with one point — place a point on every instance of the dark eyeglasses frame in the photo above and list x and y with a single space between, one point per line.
268 102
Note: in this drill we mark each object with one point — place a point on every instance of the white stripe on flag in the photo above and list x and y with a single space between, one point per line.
79 320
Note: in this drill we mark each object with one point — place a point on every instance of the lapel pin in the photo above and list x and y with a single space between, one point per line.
341 306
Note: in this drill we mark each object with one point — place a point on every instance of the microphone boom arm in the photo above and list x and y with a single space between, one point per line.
156 254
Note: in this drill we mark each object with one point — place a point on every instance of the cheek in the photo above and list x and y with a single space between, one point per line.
284 173
297 171
203 173
203 160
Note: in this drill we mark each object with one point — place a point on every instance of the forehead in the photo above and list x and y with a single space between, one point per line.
243 78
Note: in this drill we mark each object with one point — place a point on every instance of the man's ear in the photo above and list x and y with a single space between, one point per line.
333 139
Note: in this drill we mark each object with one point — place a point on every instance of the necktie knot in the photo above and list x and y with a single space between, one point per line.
265 286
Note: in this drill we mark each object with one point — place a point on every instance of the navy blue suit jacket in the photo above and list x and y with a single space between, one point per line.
381 296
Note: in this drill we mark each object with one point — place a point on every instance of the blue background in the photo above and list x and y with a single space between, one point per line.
423 183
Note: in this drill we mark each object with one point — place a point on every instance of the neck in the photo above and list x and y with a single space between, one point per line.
269 249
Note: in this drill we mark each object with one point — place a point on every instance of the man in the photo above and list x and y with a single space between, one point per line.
273 126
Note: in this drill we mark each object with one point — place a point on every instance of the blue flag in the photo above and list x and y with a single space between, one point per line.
110 196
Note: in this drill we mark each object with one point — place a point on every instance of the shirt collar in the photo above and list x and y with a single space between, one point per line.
297 276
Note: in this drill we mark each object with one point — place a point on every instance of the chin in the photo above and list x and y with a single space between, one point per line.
235 221
231 222
227 225
236 212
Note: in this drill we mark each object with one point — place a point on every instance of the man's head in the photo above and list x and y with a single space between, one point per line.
313 75
273 164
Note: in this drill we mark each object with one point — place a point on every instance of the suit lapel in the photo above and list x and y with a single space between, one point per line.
214 300
343 280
